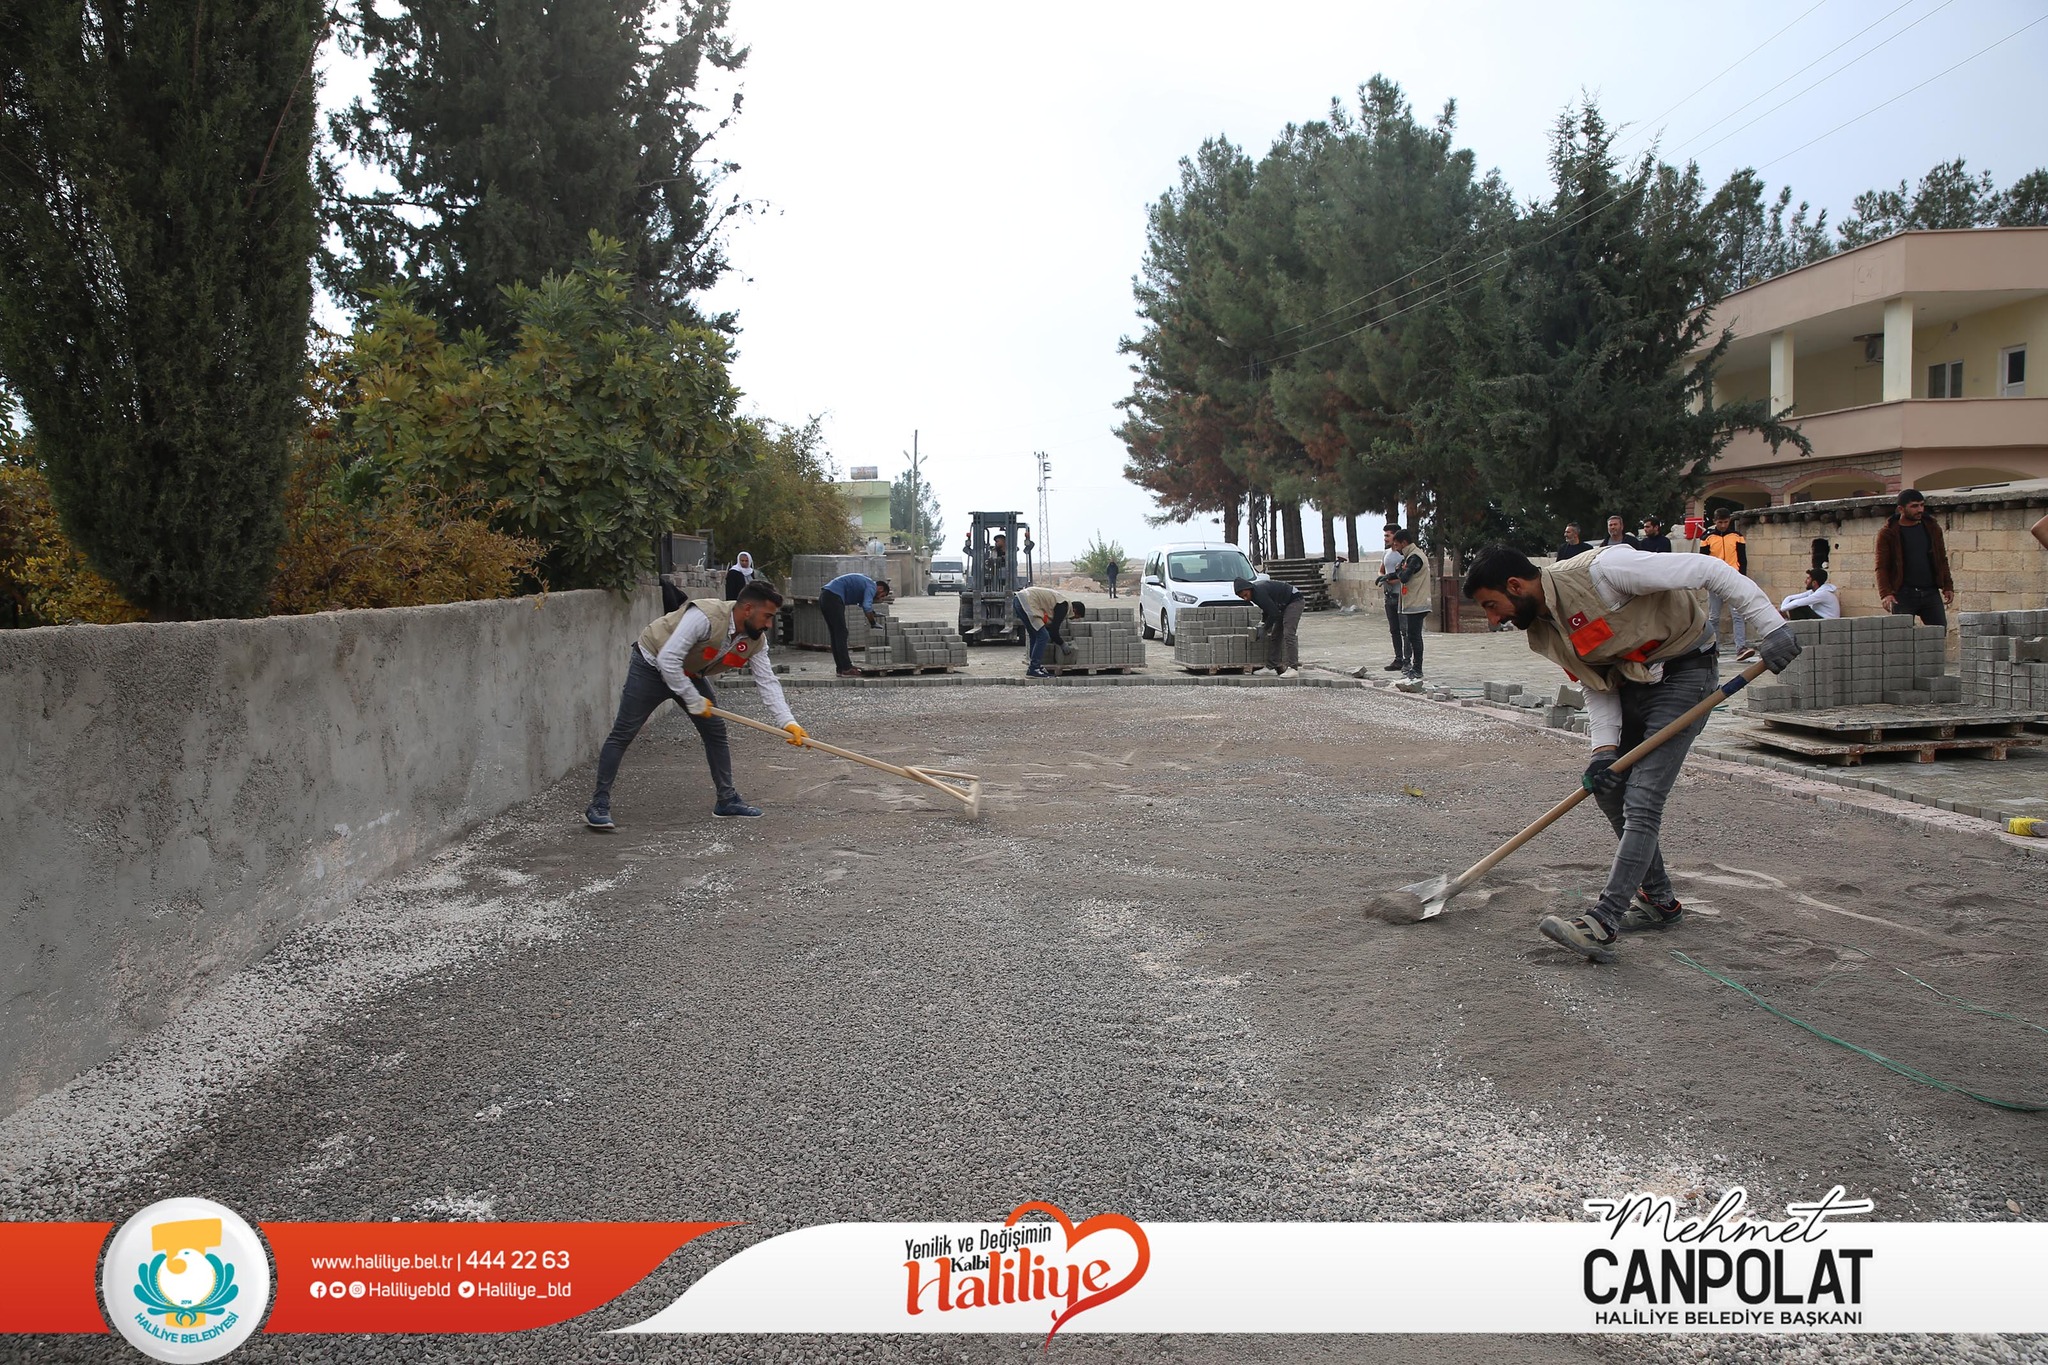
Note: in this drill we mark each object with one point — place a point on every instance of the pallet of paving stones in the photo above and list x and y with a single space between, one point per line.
1860 661
1876 724
1214 669
894 670
1849 753
1216 638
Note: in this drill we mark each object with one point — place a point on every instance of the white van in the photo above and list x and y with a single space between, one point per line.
1195 574
947 575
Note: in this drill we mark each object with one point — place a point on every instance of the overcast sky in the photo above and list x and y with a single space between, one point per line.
953 196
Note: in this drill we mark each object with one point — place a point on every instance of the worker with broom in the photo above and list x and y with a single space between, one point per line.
1629 627
673 660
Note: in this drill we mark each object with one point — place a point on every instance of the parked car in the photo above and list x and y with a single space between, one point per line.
1189 575
947 575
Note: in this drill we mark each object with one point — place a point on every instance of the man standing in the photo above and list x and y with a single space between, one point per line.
1280 606
1629 627
835 597
1044 614
673 660
1726 544
1653 540
1912 563
1109 569
1573 546
1617 534
1820 601
1390 589
1412 574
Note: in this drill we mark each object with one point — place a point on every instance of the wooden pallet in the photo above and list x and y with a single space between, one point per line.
883 670
1213 669
1850 752
1874 724
1091 668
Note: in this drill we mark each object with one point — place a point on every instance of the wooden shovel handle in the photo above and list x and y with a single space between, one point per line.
929 777
1622 764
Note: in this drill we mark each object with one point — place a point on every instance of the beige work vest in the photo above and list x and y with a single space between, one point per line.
714 654
1040 602
1415 594
1603 648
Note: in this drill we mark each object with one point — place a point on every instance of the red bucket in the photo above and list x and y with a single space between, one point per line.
1695 527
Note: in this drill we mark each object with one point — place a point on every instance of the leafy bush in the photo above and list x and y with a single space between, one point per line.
44 580
1099 556
786 504
592 435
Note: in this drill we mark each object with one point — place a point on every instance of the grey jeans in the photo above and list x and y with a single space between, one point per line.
1283 641
641 697
1637 810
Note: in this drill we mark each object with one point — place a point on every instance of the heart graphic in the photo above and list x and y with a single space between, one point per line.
1101 1222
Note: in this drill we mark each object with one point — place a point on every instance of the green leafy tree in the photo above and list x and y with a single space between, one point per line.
157 223
931 527
787 504
593 432
1759 242
1948 196
1586 374
1095 562
504 131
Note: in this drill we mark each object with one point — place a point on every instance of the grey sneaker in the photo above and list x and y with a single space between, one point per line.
735 810
1583 934
598 818
1644 913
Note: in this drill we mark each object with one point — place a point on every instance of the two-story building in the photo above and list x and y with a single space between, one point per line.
1917 361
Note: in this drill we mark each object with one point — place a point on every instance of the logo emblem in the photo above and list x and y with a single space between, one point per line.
185 1280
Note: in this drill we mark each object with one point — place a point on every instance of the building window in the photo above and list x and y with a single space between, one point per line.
2012 372
1945 380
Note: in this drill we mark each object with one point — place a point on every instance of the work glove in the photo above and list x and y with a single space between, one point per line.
1779 649
698 706
796 734
1599 778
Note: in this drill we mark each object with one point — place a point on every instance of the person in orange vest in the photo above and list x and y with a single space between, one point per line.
1726 544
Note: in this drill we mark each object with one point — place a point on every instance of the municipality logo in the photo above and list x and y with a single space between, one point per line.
186 1280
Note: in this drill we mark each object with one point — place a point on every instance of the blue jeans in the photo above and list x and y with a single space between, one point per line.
1637 810
641 697
1714 604
1036 636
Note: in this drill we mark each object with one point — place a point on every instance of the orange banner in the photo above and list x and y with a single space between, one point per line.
458 1277
51 1284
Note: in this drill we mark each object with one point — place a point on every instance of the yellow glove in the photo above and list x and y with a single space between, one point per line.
698 706
796 734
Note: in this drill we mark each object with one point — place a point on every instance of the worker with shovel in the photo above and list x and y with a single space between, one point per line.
1629 627
673 660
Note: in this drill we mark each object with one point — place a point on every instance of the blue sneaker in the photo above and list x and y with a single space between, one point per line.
598 818
735 808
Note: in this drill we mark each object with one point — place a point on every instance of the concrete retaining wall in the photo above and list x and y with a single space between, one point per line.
174 797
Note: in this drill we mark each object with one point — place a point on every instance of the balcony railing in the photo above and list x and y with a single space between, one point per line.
1987 424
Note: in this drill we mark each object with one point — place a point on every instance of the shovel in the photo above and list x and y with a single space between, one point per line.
1427 900
968 793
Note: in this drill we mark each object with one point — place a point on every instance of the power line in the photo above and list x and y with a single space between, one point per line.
1603 200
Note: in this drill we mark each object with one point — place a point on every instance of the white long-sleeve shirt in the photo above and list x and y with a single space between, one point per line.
1620 575
1825 601
692 631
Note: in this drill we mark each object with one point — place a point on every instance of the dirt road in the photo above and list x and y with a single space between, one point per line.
1140 984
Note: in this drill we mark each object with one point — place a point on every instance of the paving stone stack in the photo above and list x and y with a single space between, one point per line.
1108 638
2005 660
1861 661
807 625
808 574
904 644
1216 637
1564 710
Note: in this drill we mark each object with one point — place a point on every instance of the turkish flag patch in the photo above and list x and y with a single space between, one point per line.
1578 620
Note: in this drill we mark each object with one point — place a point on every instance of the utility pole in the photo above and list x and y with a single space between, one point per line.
1044 503
917 544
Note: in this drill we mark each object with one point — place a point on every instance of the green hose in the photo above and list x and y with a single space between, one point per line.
1909 1072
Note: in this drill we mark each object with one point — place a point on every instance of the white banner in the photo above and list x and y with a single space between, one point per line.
1642 1265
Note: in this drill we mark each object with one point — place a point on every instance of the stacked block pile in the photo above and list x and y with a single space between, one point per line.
808 574
904 644
2005 660
1563 710
1861 661
1109 638
1217 637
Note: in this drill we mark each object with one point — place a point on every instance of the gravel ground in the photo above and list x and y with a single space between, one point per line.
1139 983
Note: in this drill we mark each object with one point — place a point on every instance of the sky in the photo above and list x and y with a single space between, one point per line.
950 198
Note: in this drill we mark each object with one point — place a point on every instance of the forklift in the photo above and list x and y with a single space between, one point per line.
993 578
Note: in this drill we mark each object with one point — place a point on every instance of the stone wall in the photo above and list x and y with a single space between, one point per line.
1997 565
175 797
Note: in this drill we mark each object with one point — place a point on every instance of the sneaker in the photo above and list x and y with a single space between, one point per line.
1583 934
1285 672
598 818
1644 913
1037 673
735 808
849 673
1398 666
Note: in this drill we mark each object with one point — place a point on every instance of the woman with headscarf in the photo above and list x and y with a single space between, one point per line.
738 576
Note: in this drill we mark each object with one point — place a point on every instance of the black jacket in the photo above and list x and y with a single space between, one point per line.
1271 597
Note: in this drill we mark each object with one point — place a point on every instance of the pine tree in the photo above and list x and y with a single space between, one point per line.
512 129
156 230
